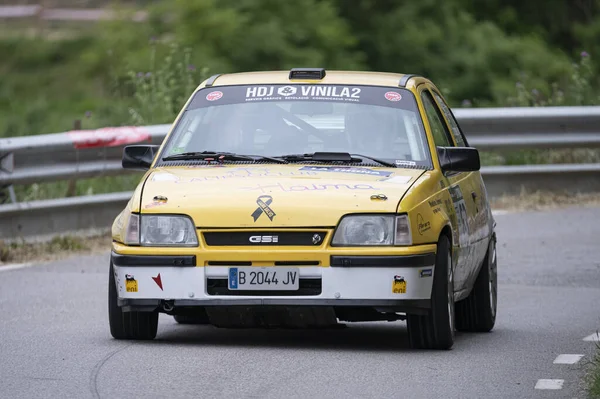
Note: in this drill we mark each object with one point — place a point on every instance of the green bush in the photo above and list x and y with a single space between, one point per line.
159 93
576 87
248 35
121 73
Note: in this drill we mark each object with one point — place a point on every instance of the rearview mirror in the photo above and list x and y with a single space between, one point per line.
139 156
459 159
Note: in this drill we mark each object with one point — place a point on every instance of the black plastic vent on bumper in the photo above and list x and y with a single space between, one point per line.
275 263
307 287
260 239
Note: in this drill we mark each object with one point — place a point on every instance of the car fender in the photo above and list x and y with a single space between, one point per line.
429 207
429 218
120 223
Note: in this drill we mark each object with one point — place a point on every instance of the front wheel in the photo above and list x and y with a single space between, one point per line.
477 312
128 325
435 330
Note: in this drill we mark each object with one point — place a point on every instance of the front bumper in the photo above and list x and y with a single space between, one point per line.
357 281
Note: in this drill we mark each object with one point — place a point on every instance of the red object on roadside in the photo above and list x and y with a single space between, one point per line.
108 137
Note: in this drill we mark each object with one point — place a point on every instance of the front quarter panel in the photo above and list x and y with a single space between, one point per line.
427 206
133 206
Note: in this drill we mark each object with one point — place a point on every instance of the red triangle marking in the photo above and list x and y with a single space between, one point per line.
158 281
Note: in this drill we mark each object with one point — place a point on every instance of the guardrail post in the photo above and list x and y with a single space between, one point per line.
39 18
72 185
11 194
7 165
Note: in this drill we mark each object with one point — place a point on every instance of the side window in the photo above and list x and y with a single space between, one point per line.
456 133
441 135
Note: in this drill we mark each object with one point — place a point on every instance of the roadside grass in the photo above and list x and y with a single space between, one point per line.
543 200
592 377
540 157
57 248
90 186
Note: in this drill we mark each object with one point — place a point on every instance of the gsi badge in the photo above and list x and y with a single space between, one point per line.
263 239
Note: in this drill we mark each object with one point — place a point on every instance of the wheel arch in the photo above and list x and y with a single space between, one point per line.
447 231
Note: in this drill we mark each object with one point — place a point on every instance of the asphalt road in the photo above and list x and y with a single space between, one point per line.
55 342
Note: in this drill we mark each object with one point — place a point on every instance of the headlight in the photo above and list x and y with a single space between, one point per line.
367 230
161 230
167 230
132 234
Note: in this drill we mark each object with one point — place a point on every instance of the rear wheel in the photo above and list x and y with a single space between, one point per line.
128 325
436 329
477 312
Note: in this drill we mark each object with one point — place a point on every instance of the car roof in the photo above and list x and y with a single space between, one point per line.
331 77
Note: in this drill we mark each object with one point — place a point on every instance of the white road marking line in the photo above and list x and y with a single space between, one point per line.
549 384
567 359
499 212
15 266
593 338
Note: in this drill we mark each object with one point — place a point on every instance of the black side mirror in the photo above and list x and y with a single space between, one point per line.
139 156
459 159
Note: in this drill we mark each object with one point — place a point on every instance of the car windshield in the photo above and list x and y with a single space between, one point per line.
277 120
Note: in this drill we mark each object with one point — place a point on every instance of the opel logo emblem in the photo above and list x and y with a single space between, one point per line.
316 239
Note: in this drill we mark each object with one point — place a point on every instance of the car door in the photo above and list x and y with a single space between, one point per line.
459 184
480 225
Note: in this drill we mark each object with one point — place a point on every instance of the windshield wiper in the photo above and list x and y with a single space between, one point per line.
385 163
184 156
332 157
220 156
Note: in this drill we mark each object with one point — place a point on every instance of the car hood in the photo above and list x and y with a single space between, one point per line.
273 195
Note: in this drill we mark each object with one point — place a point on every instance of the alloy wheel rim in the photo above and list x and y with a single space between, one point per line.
493 282
450 294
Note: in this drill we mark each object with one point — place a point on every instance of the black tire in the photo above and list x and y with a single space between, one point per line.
128 325
436 329
191 319
477 312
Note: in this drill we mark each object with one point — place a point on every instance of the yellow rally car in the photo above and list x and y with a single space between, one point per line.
303 198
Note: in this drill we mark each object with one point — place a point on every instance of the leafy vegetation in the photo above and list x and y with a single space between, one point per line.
111 73
492 54
593 375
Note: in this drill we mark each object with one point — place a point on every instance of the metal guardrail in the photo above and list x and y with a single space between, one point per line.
531 127
89 153
64 14
73 154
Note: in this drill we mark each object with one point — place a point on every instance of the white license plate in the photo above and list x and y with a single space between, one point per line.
264 278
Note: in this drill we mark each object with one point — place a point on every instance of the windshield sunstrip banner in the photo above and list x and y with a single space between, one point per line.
370 95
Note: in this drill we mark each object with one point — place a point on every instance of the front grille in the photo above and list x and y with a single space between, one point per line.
307 286
265 238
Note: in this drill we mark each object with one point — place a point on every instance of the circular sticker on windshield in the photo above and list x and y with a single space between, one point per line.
393 96
214 95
